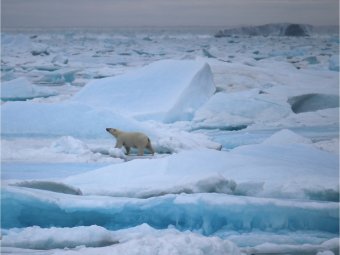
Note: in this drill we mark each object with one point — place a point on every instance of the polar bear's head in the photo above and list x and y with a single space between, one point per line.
113 131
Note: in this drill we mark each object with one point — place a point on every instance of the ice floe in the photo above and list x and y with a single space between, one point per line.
21 89
246 170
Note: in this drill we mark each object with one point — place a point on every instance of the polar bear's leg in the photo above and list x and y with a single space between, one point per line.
140 151
119 144
127 148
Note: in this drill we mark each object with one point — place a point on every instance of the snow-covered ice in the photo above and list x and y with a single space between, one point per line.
21 89
246 170
167 90
138 240
246 132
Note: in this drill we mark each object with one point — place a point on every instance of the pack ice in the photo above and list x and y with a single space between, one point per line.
272 188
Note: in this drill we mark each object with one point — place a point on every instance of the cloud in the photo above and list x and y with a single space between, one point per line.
166 12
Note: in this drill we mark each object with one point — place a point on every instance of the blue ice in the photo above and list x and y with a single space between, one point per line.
204 213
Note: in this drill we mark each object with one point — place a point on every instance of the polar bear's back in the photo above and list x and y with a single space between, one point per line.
133 139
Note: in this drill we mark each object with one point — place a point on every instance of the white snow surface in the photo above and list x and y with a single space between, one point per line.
244 170
286 136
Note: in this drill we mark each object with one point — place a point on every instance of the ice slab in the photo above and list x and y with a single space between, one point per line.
271 170
44 171
21 89
167 90
239 109
61 119
142 239
204 213
52 238
334 63
57 77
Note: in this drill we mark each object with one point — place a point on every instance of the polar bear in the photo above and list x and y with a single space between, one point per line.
131 139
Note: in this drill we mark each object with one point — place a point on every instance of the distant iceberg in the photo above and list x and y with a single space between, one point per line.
280 29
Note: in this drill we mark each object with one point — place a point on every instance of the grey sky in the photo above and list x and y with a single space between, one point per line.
38 13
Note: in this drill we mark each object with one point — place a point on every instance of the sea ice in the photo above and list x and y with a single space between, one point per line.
142 239
57 77
204 213
334 63
51 238
238 109
29 118
70 145
101 104
246 170
21 89
272 189
286 136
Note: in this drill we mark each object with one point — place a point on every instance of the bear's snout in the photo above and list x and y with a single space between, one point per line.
109 130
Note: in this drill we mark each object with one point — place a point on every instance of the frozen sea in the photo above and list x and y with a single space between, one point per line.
245 129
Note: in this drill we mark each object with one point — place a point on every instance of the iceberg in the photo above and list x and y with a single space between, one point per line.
21 89
280 29
167 91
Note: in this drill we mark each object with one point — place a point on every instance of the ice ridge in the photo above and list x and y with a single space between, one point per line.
206 213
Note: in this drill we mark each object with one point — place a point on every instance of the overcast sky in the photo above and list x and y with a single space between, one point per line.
97 13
